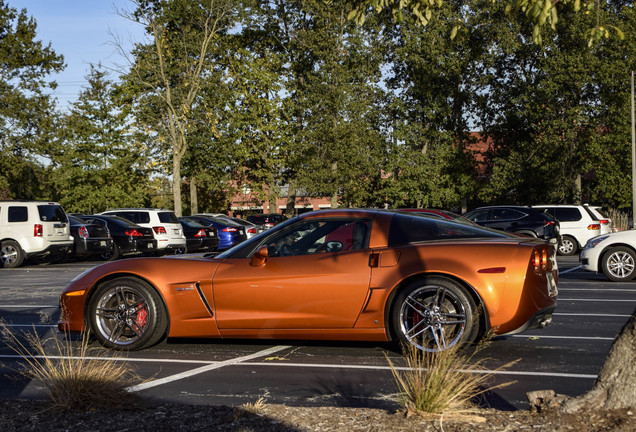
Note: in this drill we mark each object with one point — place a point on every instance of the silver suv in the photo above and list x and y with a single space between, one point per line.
165 224
32 229
579 223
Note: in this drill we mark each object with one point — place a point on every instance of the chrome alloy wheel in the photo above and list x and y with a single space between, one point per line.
122 315
433 318
620 264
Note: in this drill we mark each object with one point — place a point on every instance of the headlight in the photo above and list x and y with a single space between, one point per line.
594 241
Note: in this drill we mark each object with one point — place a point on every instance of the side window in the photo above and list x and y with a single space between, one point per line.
480 216
566 214
506 214
18 214
312 237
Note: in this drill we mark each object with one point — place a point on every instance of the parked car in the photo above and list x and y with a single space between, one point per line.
251 229
612 254
33 229
369 275
520 220
230 233
577 224
268 220
165 224
89 239
607 226
128 237
442 214
199 237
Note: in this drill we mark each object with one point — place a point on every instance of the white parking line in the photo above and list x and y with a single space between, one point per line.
561 337
569 270
207 368
594 300
9 306
599 289
240 361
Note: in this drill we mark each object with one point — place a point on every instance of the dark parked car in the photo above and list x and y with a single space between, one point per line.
230 233
440 214
519 220
89 239
199 237
128 237
268 220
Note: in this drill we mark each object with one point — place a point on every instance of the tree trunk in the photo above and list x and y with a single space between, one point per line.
194 199
176 184
615 387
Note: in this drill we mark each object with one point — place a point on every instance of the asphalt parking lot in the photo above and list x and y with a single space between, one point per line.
566 356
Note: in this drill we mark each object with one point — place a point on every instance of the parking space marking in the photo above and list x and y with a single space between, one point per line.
561 337
632 291
207 368
241 361
595 300
569 270
594 315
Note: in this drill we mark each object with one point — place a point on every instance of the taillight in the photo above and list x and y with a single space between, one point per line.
603 221
541 261
594 226
201 233
549 222
159 230
229 229
83 232
133 233
37 230
252 230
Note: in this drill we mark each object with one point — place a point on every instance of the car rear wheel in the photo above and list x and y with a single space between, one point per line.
568 246
619 263
112 254
11 254
127 314
435 314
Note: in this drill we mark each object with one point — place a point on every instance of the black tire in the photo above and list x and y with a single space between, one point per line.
568 245
11 254
111 255
618 264
435 314
127 314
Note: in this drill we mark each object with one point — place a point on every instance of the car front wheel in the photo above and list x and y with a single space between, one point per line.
435 314
127 313
618 264
568 246
11 254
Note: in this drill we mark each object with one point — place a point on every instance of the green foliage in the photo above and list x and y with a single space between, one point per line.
26 119
100 162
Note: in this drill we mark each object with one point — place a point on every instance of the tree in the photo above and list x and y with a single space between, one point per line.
26 110
98 163
168 73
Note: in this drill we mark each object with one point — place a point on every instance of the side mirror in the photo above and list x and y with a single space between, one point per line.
260 257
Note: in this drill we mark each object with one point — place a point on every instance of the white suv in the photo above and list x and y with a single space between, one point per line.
579 223
32 229
165 224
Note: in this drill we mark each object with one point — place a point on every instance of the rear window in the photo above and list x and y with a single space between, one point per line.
52 213
409 228
168 217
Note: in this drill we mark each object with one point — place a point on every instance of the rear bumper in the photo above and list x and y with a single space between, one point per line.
539 320
57 248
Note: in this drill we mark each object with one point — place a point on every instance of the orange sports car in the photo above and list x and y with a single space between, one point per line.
365 275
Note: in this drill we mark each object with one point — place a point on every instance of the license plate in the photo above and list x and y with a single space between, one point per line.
150 245
102 243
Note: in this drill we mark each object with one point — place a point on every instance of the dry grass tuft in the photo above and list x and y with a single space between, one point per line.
442 384
254 407
74 379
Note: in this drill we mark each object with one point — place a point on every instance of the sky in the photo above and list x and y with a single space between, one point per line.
81 30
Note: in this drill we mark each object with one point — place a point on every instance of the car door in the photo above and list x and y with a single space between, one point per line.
316 276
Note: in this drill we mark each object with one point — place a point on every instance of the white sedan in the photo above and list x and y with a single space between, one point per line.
612 254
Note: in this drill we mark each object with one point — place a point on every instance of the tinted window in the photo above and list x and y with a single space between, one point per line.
565 214
168 217
506 214
406 229
52 213
320 236
18 214
479 215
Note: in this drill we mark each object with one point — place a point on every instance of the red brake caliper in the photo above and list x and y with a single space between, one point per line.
142 318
